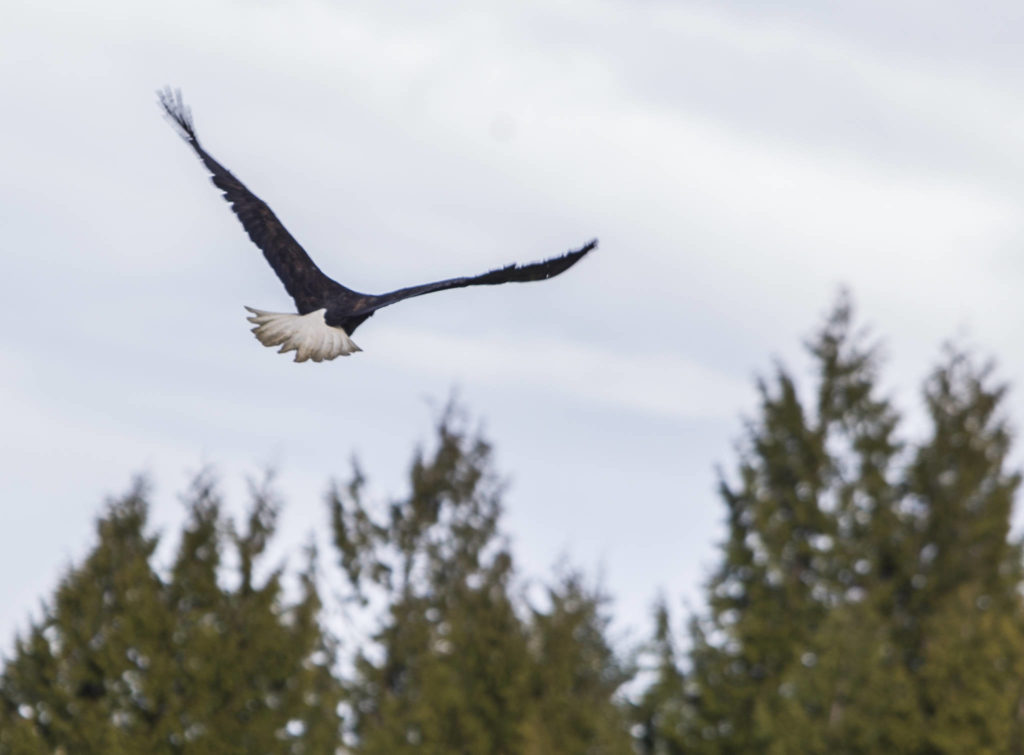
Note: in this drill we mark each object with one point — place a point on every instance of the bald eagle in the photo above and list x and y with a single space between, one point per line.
328 313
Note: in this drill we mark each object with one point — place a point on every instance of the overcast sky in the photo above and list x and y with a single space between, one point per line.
739 161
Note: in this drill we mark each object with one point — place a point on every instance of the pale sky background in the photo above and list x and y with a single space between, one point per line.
739 161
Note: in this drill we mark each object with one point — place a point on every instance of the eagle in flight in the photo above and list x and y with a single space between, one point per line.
328 312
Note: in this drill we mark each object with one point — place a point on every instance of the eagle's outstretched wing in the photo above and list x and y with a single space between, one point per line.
535 271
304 281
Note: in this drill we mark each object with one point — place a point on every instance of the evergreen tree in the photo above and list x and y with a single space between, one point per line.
576 675
458 663
868 597
448 668
850 692
962 628
928 657
663 714
128 659
808 478
208 655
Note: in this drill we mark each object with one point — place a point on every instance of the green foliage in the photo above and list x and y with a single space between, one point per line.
207 656
447 669
663 713
129 660
867 599
459 663
575 676
869 596
849 693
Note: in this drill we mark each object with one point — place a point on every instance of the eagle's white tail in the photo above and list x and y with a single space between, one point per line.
309 336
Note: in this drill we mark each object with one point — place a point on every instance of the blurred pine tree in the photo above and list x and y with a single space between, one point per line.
663 714
459 663
868 599
127 660
205 657
575 676
869 593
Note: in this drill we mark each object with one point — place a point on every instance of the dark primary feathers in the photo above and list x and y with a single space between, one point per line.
535 271
311 289
302 279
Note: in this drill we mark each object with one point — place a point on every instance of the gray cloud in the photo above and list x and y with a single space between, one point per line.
738 162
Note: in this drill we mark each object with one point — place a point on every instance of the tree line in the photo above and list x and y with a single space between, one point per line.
866 598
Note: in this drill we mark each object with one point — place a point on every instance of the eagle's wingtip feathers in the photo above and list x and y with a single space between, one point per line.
582 252
177 112
573 257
